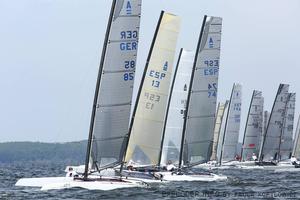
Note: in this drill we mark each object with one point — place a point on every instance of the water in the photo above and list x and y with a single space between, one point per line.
242 184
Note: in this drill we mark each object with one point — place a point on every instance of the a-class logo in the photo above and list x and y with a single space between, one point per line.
128 8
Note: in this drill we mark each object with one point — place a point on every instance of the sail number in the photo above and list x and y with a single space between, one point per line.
158 76
211 63
129 64
212 90
128 46
237 106
151 100
129 34
213 67
211 71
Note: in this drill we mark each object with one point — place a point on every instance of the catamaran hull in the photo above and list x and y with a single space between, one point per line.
169 176
56 183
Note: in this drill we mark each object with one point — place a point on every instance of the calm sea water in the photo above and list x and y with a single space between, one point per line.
242 184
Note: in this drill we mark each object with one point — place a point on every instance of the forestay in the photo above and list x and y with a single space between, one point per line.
149 115
177 107
217 129
286 145
232 126
254 126
111 111
201 104
270 147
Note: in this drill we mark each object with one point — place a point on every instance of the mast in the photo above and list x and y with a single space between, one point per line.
189 93
140 88
87 159
168 107
247 123
225 128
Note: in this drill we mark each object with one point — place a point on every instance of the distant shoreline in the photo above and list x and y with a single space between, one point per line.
41 151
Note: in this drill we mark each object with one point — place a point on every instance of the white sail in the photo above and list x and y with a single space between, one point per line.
270 146
217 129
177 106
112 103
232 126
149 115
201 104
286 145
254 126
222 132
266 116
296 150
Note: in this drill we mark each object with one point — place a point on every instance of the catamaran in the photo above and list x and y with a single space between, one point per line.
199 108
279 130
148 120
111 107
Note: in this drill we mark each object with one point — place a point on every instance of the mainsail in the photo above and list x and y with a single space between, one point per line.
177 107
270 146
201 103
232 125
253 127
222 133
286 144
113 94
146 129
217 129
296 150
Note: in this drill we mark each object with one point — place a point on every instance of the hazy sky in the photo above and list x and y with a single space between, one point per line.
50 52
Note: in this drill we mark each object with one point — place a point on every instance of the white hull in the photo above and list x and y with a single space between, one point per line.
54 183
280 166
169 176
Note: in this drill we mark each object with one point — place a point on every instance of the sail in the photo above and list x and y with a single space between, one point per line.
254 126
111 108
232 125
177 106
149 115
286 145
201 104
217 129
296 150
266 116
270 147
222 133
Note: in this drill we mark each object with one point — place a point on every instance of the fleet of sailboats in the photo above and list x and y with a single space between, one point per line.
176 125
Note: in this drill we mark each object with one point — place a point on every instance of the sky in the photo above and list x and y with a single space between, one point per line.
50 53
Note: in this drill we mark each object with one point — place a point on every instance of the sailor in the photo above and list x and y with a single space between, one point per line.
71 172
170 167
294 160
254 157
